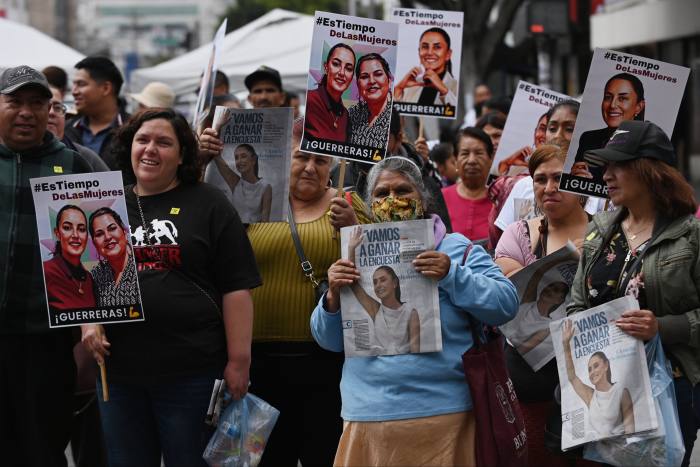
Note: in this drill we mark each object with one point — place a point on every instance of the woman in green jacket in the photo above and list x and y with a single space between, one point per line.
648 248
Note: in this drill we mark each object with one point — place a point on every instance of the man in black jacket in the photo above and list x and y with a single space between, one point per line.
96 85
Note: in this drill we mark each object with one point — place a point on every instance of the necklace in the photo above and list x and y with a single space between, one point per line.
80 285
633 235
144 226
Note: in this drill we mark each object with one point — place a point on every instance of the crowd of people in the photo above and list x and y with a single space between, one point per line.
229 299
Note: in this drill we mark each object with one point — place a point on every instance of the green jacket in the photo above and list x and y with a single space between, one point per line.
671 272
22 297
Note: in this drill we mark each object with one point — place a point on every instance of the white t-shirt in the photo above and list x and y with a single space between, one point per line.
523 190
605 412
391 329
247 199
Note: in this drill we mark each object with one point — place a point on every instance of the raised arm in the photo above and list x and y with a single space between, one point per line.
534 340
230 177
583 391
370 305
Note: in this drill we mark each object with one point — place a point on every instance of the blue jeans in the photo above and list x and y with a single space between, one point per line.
144 419
688 403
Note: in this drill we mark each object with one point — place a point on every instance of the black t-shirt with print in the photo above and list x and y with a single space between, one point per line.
194 250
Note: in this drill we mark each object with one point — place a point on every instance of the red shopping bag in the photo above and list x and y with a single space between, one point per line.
501 440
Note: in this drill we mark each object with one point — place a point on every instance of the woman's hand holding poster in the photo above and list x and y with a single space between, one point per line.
619 87
605 387
393 309
349 96
86 252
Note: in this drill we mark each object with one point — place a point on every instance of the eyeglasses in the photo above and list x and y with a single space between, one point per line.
58 108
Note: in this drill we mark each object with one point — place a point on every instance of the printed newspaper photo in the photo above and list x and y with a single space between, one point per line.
392 309
253 169
544 289
605 387
85 245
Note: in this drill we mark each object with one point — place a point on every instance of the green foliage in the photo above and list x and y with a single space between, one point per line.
245 11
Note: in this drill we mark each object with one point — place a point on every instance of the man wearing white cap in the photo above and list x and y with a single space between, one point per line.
155 94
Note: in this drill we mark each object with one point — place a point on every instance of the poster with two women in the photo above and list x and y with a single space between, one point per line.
393 309
349 95
86 252
428 63
619 87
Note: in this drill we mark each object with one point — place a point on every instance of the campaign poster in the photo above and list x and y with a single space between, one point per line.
603 374
393 309
619 87
86 252
349 93
253 170
206 85
525 129
428 62
544 290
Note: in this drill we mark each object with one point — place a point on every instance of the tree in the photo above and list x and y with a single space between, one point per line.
245 11
480 40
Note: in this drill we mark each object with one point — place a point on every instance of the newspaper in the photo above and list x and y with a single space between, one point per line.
83 236
619 87
253 170
349 90
605 388
206 85
392 309
428 63
525 129
544 289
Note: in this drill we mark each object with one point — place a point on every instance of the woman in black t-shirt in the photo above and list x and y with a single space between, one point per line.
197 307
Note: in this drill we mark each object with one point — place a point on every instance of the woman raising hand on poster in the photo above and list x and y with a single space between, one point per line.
610 408
396 323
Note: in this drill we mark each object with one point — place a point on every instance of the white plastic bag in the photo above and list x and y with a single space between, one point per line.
242 433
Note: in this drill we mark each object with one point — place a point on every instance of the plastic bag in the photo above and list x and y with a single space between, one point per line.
242 433
662 447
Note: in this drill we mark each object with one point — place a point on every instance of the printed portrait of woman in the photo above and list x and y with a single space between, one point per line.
250 194
623 99
610 407
115 274
370 117
431 82
396 323
326 116
68 284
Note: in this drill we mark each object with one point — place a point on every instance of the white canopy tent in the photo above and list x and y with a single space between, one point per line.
280 39
24 45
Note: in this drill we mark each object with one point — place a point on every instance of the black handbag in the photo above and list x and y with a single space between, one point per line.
307 269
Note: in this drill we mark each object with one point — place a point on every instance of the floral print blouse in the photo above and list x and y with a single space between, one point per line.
608 270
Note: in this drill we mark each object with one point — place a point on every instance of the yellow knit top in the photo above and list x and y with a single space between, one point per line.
284 303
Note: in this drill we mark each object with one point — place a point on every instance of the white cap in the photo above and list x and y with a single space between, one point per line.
155 94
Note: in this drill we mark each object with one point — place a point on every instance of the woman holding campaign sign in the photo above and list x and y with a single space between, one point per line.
370 117
115 274
387 403
68 284
432 82
186 237
326 116
289 370
648 248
